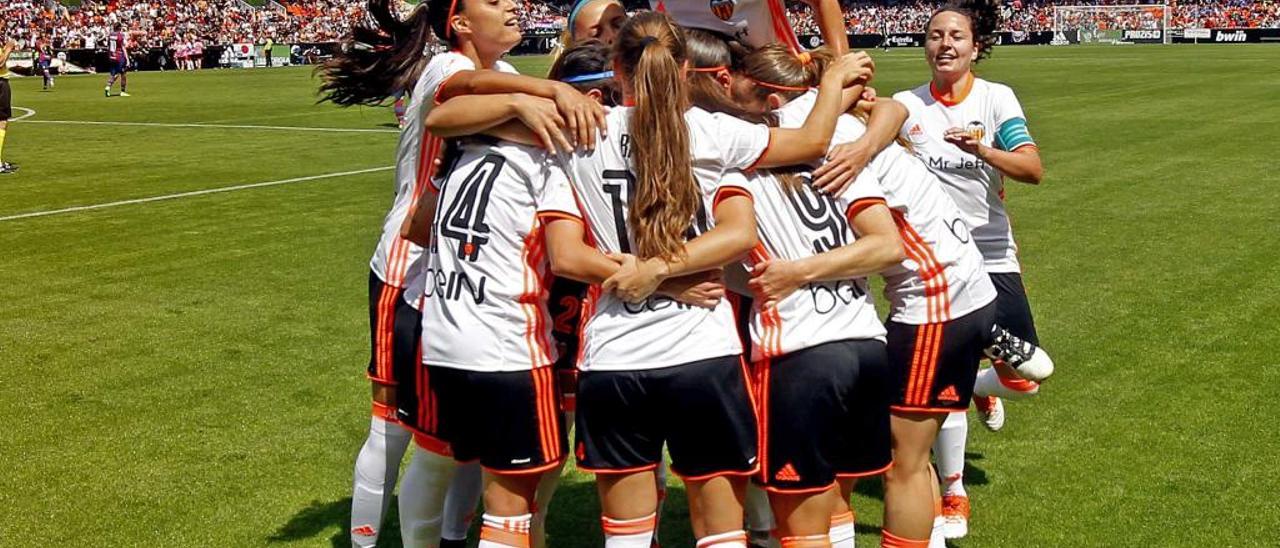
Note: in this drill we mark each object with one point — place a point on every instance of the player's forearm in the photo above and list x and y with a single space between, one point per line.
578 261
887 118
1020 165
488 82
470 114
831 25
810 141
729 241
866 255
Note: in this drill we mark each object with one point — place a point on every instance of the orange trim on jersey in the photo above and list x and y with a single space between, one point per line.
632 470
861 204
725 192
931 272
759 158
548 216
965 88
782 26
870 473
504 537
799 491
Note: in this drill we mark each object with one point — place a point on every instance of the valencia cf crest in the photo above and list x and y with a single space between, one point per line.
976 130
723 8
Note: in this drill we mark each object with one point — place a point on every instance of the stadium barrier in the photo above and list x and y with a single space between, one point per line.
1225 36
916 39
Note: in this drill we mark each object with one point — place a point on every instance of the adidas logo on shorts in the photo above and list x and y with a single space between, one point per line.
949 394
787 473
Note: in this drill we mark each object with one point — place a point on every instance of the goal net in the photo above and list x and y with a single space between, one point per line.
1115 24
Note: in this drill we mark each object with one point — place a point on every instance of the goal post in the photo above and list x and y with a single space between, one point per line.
1115 23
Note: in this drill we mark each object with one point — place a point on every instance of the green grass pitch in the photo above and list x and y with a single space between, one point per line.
189 372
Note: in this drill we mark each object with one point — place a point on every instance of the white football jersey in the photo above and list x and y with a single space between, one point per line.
486 274
792 226
943 277
752 22
397 259
659 332
992 111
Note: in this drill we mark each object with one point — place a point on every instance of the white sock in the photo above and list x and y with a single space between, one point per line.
936 537
505 531
542 502
460 504
377 466
989 383
759 515
628 533
948 450
422 497
842 532
731 539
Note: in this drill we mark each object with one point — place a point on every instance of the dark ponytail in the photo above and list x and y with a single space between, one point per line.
586 67
379 61
984 20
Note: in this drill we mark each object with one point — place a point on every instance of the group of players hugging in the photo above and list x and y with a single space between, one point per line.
665 245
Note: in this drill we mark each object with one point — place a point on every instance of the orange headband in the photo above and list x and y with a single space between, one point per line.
717 68
777 87
448 20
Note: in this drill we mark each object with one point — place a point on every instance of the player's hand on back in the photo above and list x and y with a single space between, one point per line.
544 120
582 114
704 289
844 162
772 281
853 68
637 279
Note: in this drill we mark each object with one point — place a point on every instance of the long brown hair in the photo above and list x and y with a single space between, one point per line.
775 69
650 51
709 54
386 58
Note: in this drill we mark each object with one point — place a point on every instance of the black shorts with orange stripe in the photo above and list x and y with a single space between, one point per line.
395 333
824 412
935 364
703 411
510 421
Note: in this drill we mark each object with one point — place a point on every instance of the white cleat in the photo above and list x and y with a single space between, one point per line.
955 510
990 411
1028 360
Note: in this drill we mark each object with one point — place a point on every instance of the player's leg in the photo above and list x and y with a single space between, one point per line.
518 436
862 445
423 492
460 504
909 485
759 517
378 462
948 451
6 112
546 490
621 443
124 80
709 415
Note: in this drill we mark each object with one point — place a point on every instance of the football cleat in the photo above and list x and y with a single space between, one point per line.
106 92
123 94
6 167
990 411
1028 360
955 510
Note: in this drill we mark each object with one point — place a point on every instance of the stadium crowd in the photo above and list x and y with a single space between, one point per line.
164 23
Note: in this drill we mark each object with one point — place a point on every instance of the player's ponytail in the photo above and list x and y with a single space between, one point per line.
379 61
650 51
984 20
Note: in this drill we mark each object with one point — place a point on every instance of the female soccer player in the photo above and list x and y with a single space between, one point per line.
378 62
640 191
973 134
44 60
942 301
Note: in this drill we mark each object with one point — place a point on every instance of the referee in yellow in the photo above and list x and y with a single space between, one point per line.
6 103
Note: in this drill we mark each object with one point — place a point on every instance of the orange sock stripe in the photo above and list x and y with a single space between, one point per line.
635 526
725 538
807 541
504 537
891 540
842 519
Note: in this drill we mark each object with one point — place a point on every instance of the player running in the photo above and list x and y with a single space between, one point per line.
118 55
381 61
6 103
44 62
640 191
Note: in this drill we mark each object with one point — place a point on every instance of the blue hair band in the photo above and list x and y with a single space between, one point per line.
589 77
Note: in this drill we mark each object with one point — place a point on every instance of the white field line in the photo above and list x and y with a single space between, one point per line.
189 194
29 113
209 126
